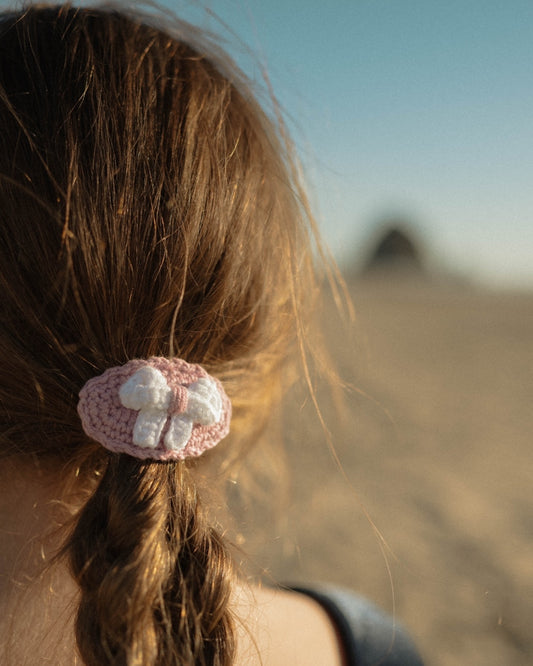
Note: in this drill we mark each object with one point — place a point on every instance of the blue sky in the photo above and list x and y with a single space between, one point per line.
418 108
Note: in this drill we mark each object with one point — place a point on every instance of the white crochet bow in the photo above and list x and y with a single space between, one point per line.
148 392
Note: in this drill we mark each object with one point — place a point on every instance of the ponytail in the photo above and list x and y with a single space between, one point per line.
149 208
154 576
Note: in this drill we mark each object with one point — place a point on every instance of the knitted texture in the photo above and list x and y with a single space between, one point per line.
158 409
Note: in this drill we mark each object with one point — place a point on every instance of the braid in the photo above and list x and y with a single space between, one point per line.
154 576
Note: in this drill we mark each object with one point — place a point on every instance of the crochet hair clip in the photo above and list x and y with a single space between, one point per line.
157 409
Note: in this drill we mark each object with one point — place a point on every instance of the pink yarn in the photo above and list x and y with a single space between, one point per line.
107 421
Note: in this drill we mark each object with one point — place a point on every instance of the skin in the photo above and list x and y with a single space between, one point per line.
282 628
274 627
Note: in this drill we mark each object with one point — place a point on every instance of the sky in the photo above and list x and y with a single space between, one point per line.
418 109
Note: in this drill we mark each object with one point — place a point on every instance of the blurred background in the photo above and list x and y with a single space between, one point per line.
413 109
414 123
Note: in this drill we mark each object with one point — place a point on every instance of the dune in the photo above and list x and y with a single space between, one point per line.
430 513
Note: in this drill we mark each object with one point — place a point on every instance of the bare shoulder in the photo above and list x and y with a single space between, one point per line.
282 628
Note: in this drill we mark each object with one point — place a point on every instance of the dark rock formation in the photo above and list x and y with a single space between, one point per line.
395 249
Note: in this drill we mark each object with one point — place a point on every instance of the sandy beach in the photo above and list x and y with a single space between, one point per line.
435 445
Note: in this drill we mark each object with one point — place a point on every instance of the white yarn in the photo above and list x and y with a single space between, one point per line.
204 406
205 403
148 392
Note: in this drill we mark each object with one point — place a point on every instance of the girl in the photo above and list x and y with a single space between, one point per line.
154 268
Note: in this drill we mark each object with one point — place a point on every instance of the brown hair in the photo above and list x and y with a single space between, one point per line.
147 207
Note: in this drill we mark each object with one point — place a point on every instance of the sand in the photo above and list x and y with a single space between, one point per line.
436 445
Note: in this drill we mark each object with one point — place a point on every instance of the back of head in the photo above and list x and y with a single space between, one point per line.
146 209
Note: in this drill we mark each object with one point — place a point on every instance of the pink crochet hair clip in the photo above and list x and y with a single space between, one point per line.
158 409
